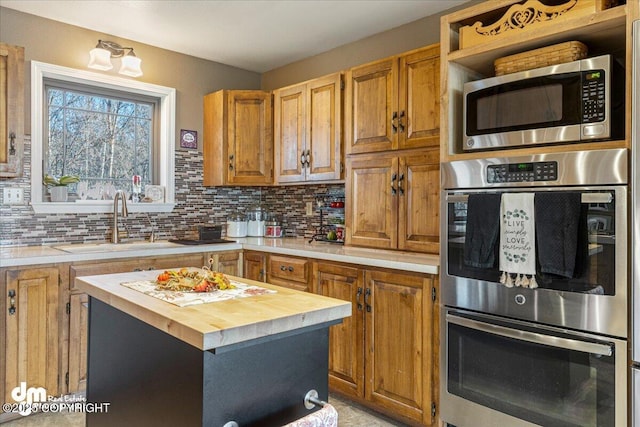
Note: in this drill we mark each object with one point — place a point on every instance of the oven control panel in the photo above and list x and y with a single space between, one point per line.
522 172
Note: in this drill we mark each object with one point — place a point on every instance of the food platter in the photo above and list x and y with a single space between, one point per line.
192 280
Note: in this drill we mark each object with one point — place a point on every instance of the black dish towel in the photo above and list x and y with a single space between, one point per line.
557 226
483 228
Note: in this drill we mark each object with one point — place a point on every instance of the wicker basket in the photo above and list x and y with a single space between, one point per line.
550 55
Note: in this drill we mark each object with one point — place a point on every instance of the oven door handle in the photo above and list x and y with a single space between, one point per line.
586 198
533 337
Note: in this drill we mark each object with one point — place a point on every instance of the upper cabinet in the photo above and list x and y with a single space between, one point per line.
12 107
394 103
472 39
238 138
308 131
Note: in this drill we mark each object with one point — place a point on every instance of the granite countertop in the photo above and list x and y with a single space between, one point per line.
217 324
13 256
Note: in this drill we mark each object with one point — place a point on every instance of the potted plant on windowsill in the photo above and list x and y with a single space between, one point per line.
58 186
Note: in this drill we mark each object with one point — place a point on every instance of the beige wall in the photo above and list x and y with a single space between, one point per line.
413 35
56 43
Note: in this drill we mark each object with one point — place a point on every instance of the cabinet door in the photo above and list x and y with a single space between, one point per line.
289 122
346 340
419 99
371 201
78 334
12 107
419 202
228 263
371 104
31 347
324 129
250 138
255 266
398 344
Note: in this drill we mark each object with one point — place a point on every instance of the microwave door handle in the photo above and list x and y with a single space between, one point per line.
533 337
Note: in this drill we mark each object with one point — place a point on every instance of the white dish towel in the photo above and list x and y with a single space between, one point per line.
517 240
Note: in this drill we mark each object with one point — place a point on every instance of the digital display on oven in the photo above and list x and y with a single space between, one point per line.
521 167
522 172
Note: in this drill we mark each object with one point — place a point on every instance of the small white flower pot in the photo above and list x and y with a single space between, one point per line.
59 193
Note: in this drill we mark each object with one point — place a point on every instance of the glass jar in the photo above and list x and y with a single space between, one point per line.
236 225
273 228
256 217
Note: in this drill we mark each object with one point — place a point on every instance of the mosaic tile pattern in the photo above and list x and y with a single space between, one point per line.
195 205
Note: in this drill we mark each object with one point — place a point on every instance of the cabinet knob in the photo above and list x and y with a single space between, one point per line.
283 268
290 268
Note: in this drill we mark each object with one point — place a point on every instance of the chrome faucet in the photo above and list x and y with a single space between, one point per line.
122 196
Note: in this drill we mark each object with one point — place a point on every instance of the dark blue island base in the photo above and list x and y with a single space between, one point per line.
151 378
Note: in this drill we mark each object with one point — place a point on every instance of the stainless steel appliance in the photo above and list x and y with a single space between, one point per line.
570 102
554 355
635 227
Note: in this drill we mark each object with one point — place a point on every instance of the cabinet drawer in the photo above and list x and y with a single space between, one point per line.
291 269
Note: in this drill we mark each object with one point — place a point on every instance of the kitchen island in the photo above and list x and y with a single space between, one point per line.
249 360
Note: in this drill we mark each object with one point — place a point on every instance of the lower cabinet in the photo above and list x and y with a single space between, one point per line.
226 262
383 356
255 266
31 330
78 327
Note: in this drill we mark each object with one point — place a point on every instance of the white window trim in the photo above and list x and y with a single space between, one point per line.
41 71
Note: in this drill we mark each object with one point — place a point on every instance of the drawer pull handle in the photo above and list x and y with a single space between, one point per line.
283 268
367 295
290 268
358 295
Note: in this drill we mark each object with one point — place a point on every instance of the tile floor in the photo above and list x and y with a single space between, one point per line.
349 415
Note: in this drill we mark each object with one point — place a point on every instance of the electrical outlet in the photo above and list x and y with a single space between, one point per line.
309 208
13 196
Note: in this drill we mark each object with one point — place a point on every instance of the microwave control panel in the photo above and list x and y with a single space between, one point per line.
593 96
522 172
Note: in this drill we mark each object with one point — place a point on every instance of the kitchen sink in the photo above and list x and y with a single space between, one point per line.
82 248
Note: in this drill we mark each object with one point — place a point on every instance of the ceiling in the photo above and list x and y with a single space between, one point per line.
256 35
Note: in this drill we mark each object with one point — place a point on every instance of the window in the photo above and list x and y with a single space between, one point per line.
104 129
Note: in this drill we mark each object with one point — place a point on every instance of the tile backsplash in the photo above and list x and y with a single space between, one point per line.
195 205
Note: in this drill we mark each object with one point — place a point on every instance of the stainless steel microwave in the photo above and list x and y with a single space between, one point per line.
576 101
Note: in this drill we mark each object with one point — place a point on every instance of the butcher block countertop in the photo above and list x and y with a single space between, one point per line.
218 324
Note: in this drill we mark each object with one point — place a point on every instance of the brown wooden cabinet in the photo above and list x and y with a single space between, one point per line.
308 131
78 342
31 329
238 138
12 107
229 263
290 272
383 355
255 266
394 103
392 200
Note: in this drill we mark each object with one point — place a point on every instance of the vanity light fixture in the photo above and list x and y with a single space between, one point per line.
105 50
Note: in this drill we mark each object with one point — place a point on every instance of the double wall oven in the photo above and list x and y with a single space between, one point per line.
555 355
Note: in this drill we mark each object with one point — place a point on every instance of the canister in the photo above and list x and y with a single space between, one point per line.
256 216
273 228
236 225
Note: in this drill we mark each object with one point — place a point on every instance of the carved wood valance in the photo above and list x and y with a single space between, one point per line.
523 17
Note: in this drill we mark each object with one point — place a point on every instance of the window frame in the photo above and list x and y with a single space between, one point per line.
40 72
